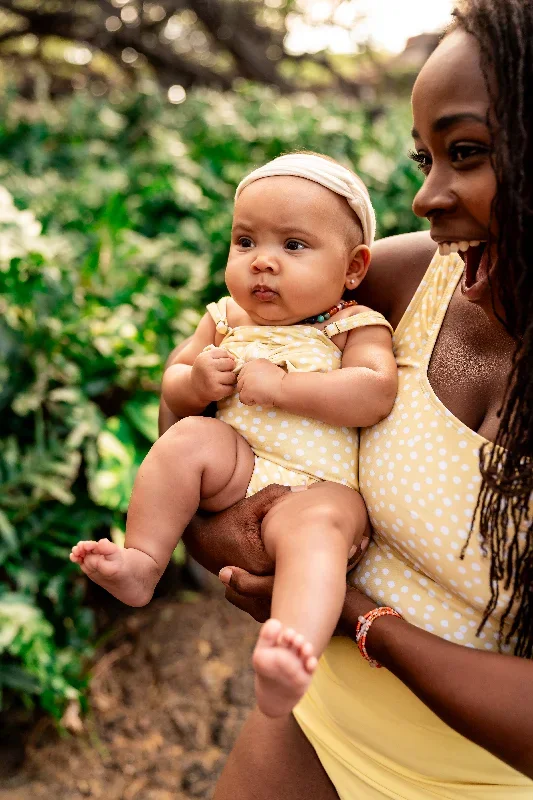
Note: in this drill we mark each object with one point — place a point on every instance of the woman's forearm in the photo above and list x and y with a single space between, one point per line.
486 697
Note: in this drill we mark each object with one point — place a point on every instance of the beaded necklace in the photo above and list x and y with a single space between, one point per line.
325 315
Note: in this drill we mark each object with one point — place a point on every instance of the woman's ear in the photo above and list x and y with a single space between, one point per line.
358 267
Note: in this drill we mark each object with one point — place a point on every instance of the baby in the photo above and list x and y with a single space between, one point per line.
271 355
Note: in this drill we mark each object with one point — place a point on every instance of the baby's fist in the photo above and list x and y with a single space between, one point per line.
259 383
212 375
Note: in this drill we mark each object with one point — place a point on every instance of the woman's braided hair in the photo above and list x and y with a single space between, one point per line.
504 32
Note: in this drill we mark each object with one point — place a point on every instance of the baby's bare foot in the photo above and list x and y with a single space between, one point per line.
127 574
284 664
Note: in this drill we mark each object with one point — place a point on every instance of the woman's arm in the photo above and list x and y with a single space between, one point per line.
485 697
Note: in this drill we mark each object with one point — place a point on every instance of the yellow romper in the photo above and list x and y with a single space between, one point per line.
289 449
419 476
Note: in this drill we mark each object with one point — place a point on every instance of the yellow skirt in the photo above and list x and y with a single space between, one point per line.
376 740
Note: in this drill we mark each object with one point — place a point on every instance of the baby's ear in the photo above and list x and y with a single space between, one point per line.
358 266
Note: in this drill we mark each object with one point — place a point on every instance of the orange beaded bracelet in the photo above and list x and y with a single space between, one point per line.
364 624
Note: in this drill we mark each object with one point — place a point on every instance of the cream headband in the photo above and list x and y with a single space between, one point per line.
327 173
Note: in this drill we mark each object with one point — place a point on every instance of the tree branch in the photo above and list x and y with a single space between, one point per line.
232 27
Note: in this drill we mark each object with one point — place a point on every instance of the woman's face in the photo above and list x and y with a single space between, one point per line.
453 145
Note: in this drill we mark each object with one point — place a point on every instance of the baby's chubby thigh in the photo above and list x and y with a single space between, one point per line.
225 459
324 509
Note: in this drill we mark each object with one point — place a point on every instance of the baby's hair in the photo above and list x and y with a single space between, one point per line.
504 32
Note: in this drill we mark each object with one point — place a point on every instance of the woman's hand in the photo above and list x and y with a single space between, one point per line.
234 536
250 593
253 593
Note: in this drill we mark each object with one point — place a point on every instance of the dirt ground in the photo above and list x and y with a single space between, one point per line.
170 691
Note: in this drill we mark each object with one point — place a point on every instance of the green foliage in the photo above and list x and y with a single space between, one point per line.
114 228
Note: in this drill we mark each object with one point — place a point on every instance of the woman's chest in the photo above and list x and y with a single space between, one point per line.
419 476
469 366
419 469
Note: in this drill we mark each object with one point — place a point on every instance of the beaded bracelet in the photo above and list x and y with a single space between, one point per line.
363 626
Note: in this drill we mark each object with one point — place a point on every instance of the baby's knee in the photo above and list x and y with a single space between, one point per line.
187 439
337 506
195 432
322 507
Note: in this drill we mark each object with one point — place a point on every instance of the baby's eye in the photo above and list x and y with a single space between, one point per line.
293 244
245 241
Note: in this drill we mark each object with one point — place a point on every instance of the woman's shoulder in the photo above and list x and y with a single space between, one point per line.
398 265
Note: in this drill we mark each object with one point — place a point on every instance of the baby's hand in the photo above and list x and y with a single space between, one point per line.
259 383
212 375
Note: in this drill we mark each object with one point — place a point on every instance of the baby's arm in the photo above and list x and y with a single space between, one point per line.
196 378
358 395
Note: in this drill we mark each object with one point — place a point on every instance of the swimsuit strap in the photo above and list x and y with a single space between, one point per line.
361 320
219 313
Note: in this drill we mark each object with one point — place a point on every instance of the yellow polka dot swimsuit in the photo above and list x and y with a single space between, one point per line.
289 449
419 476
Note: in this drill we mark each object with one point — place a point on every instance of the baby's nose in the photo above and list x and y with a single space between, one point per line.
265 262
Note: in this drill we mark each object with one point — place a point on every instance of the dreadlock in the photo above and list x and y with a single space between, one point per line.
504 32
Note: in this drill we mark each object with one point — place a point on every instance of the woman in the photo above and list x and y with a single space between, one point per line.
451 716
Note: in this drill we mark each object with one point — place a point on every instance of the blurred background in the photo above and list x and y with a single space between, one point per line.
124 129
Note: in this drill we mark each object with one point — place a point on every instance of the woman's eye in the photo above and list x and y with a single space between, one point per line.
460 153
292 244
245 241
422 159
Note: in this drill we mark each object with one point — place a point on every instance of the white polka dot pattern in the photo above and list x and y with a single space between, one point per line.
289 449
419 475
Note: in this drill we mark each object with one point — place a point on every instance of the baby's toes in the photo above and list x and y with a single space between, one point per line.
308 658
270 633
80 550
287 637
90 564
93 565
304 651
97 564
311 664
297 644
106 547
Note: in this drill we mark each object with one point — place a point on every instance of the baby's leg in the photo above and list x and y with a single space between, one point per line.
198 462
311 550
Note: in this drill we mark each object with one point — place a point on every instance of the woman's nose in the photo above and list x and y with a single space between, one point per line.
435 196
265 262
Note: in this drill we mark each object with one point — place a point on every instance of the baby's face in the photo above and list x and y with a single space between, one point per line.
291 248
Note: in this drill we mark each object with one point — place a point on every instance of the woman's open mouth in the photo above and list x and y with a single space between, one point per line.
475 254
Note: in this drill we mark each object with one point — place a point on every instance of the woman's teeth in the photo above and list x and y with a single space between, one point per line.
448 248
